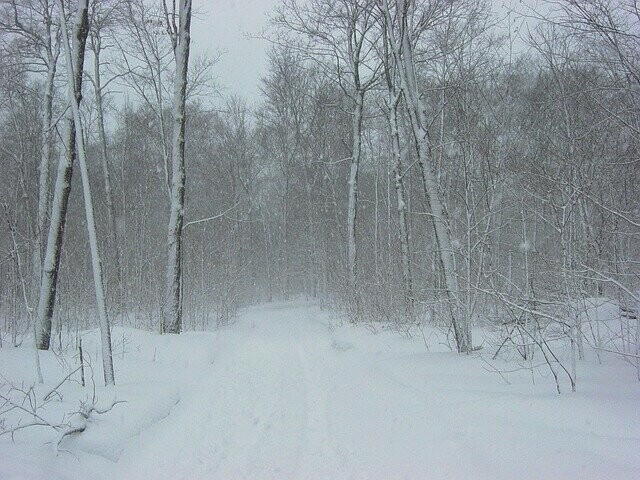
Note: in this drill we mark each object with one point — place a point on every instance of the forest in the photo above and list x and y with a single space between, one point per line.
456 170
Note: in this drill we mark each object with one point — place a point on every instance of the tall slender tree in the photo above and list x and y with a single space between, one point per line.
34 27
103 18
399 34
392 104
178 26
58 217
72 60
340 36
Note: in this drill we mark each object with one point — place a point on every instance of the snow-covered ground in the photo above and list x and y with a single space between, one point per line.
284 393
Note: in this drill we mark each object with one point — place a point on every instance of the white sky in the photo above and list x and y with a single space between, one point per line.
225 26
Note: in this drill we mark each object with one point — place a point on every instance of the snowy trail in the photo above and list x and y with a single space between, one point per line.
259 411
282 395
287 398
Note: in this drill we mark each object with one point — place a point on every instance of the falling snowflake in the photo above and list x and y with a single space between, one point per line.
525 246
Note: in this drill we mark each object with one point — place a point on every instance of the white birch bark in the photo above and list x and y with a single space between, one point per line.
45 157
393 100
353 195
96 47
74 61
403 54
51 262
33 22
46 152
172 321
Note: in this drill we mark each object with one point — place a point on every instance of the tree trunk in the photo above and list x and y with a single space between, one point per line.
172 322
407 279
81 29
45 163
461 327
352 212
102 137
403 55
51 264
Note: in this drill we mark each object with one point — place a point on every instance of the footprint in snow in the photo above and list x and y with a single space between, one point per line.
341 346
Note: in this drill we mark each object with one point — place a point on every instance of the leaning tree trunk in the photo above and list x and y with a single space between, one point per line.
102 137
45 163
82 28
403 54
51 263
172 321
407 279
461 326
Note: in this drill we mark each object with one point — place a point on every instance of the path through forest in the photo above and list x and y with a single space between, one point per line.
286 394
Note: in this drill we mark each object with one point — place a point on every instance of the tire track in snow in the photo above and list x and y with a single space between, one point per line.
322 456
263 401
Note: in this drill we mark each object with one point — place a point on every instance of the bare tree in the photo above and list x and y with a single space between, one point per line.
104 15
392 104
340 36
38 39
180 38
398 31
613 24
51 263
145 64
23 284
73 61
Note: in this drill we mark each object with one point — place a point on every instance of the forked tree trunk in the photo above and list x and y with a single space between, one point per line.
393 101
74 60
403 55
51 263
172 321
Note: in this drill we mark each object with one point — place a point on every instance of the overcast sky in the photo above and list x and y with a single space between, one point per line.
226 26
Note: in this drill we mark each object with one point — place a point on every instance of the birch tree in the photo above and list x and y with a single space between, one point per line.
103 18
398 32
178 26
73 61
33 25
392 104
52 49
58 216
340 35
